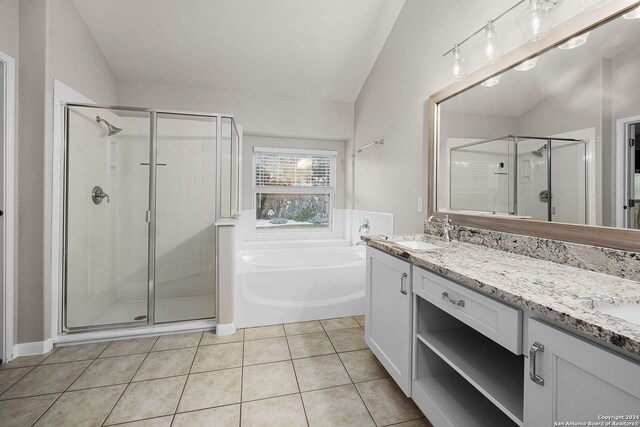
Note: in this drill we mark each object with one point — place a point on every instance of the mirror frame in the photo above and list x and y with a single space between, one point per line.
611 237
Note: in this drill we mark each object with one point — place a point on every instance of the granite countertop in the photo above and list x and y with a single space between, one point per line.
568 295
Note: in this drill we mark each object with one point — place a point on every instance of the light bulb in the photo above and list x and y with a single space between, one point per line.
550 4
491 49
634 14
526 65
492 81
575 42
533 24
457 64
593 4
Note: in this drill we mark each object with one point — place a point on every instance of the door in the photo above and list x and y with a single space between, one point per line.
570 379
107 230
388 316
632 185
185 242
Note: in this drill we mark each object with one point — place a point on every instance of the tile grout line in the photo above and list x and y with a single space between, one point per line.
74 380
129 383
184 386
295 374
244 336
200 344
352 383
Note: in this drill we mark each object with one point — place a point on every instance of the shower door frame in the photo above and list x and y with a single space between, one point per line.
151 215
516 139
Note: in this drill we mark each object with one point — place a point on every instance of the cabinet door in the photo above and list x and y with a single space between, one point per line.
388 319
578 380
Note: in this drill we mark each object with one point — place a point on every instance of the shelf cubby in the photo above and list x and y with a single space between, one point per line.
454 361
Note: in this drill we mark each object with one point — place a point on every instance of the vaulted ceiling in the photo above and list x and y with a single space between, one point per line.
301 48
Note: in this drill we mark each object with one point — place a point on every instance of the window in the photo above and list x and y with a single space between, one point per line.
294 188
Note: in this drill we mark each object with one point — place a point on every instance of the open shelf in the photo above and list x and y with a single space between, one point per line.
494 371
451 400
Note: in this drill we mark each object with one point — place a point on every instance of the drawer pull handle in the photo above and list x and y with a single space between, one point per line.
457 303
533 351
403 291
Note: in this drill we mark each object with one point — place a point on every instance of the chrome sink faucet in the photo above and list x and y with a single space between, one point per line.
364 228
447 227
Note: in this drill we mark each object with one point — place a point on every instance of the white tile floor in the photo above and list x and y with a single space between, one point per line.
302 374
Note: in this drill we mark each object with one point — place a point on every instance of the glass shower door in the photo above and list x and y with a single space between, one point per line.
107 197
568 181
185 280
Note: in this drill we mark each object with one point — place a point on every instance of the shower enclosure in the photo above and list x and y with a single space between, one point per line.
143 192
539 178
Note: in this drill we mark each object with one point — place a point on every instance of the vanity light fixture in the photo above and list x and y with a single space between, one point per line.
575 42
457 64
492 81
491 49
534 23
527 65
634 14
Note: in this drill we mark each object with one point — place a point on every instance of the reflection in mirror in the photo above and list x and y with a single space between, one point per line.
552 139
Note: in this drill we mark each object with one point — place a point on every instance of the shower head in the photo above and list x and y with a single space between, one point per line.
112 129
538 152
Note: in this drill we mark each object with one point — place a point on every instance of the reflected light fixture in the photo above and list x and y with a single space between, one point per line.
491 49
492 81
634 14
550 4
575 42
593 4
533 24
457 63
527 65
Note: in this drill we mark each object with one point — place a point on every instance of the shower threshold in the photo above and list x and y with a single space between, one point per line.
167 310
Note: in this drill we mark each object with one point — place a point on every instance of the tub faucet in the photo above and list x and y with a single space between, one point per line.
364 228
447 227
361 242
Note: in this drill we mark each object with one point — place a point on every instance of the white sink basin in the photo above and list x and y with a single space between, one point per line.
630 313
417 244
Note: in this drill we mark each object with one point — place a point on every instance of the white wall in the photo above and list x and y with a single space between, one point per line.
392 105
30 298
264 115
55 43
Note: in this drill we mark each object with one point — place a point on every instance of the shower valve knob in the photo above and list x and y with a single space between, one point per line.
97 194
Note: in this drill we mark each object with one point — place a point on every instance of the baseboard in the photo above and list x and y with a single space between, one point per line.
226 329
32 348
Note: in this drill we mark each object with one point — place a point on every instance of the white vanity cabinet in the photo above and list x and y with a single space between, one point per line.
571 379
388 320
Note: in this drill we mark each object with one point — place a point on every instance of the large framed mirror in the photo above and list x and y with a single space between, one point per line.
542 142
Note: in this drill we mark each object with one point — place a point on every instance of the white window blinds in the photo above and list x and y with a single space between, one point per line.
293 169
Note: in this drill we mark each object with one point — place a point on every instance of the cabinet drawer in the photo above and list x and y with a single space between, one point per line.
494 319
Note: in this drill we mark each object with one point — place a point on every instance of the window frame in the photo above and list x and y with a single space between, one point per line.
282 189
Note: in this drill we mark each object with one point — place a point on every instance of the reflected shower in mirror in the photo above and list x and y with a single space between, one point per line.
553 140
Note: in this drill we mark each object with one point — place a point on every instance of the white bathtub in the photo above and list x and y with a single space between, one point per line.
287 285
